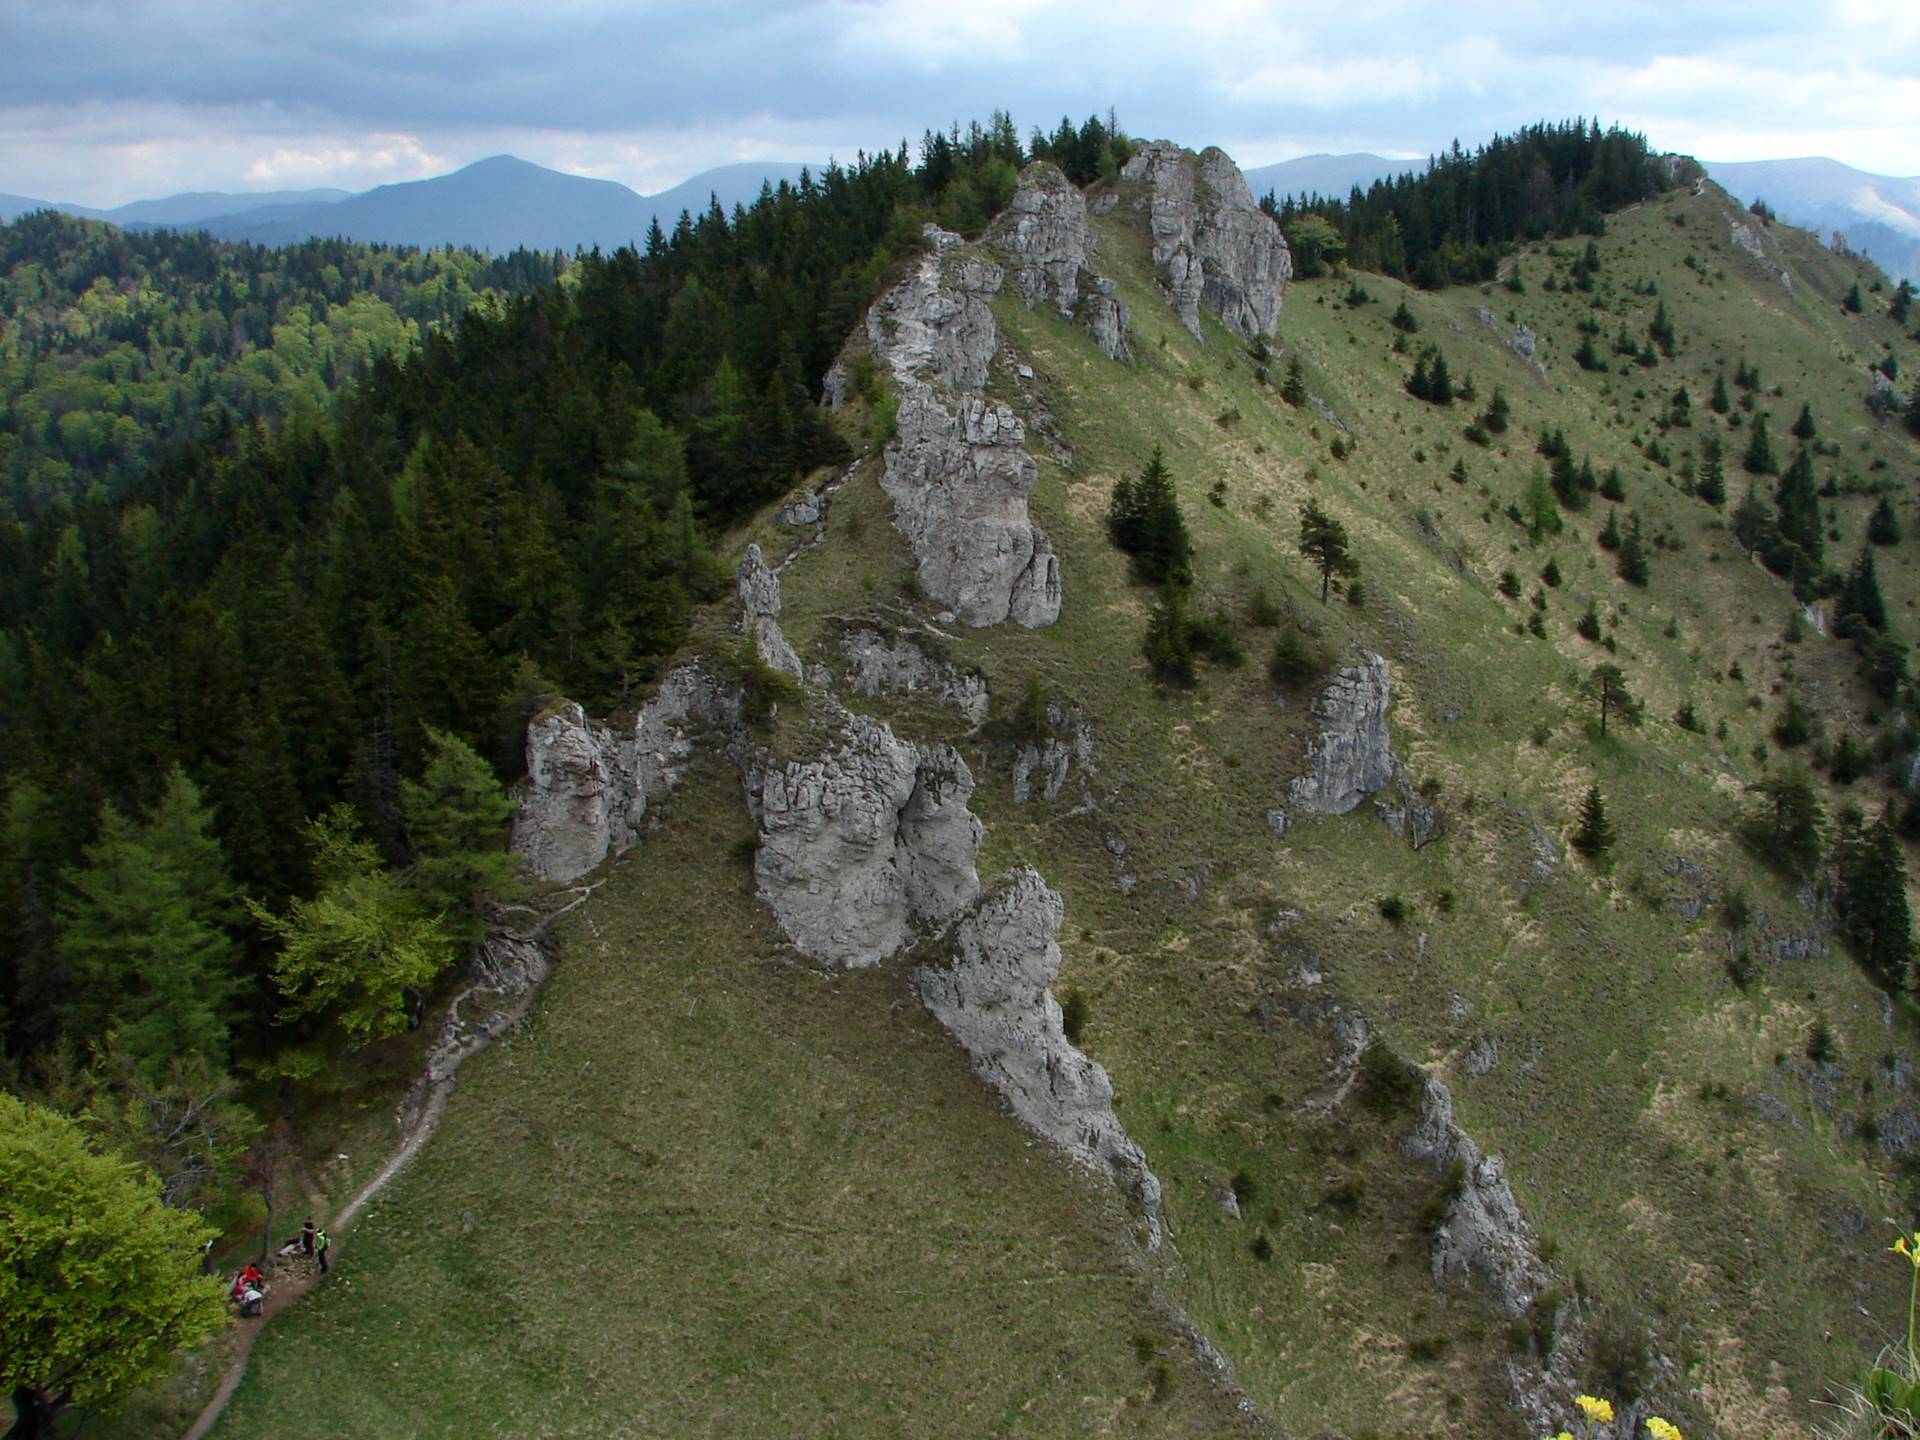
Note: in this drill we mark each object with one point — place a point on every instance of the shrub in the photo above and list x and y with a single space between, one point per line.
1261 1247
1393 910
1388 1086
1261 610
1073 1015
1296 660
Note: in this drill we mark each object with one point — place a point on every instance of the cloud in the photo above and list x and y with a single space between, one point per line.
104 99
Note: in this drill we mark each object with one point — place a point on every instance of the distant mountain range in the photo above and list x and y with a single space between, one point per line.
497 205
1330 176
503 203
1878 214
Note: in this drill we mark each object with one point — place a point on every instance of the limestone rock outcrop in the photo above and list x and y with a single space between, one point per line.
863 845
1483 1230
1041 768
957 469
1353 756
1211 244
1047 243
895 664
588 783
994 997
759 591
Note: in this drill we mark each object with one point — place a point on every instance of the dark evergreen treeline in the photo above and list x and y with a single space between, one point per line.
347 613
1452 223
117 345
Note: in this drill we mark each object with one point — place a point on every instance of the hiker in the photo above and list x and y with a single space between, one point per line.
320 1242
307 1232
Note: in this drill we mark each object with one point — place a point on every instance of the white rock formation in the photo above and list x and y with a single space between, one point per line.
957 470
587 785
759 591
1211 244
1484 1230
1353 756
994 997
1044 236
895 664
862 846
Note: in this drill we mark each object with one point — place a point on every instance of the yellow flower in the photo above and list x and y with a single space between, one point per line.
1663 1429
1900 1247
1600 1412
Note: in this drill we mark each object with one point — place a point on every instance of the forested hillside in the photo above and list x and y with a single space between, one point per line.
1595 468
116 347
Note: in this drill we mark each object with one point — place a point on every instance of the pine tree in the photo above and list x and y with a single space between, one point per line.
1497 413
1594 835
1803 426
1607 687
1169 642
1720 403
142 934
1323 540
1537 505
1588 625
1853 301
1789 834
1440 386
1404 319
1587 357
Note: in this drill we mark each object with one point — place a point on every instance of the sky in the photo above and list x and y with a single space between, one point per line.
106 101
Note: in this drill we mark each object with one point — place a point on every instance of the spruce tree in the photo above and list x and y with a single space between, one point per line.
1798 504
1594 835
1169 642
1803 426
1711 484
1609 536
141 932
1293 389
1789 834
1883 526
1720 403
1862 606
1759 457
456 816
1146 522
1633 555
1874 901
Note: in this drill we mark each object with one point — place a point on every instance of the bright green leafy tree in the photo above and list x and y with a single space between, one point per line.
100 1283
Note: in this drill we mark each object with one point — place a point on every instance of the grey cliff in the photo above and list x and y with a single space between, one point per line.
994 997
1211 244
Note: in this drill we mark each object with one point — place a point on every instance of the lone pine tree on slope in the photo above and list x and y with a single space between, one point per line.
1323 540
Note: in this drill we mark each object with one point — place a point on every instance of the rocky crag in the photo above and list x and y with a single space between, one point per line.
1044 237
588 783
895 663
1353 758
1212 245
957 468
994 996
1483 1232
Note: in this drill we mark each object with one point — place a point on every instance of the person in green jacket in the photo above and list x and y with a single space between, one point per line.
320 1248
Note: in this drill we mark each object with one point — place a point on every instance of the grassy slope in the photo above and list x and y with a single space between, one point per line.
769 1094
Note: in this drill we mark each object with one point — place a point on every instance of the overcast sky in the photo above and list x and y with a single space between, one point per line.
104 101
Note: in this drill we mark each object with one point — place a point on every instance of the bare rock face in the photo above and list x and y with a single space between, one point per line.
759 592
1042 768
861 846
587 785
957 470
1211 244
994 997
895 664
1354 755
1484 1230
1044 237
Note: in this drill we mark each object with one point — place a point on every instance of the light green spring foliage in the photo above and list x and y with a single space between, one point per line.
142 933
99 1282
361 943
